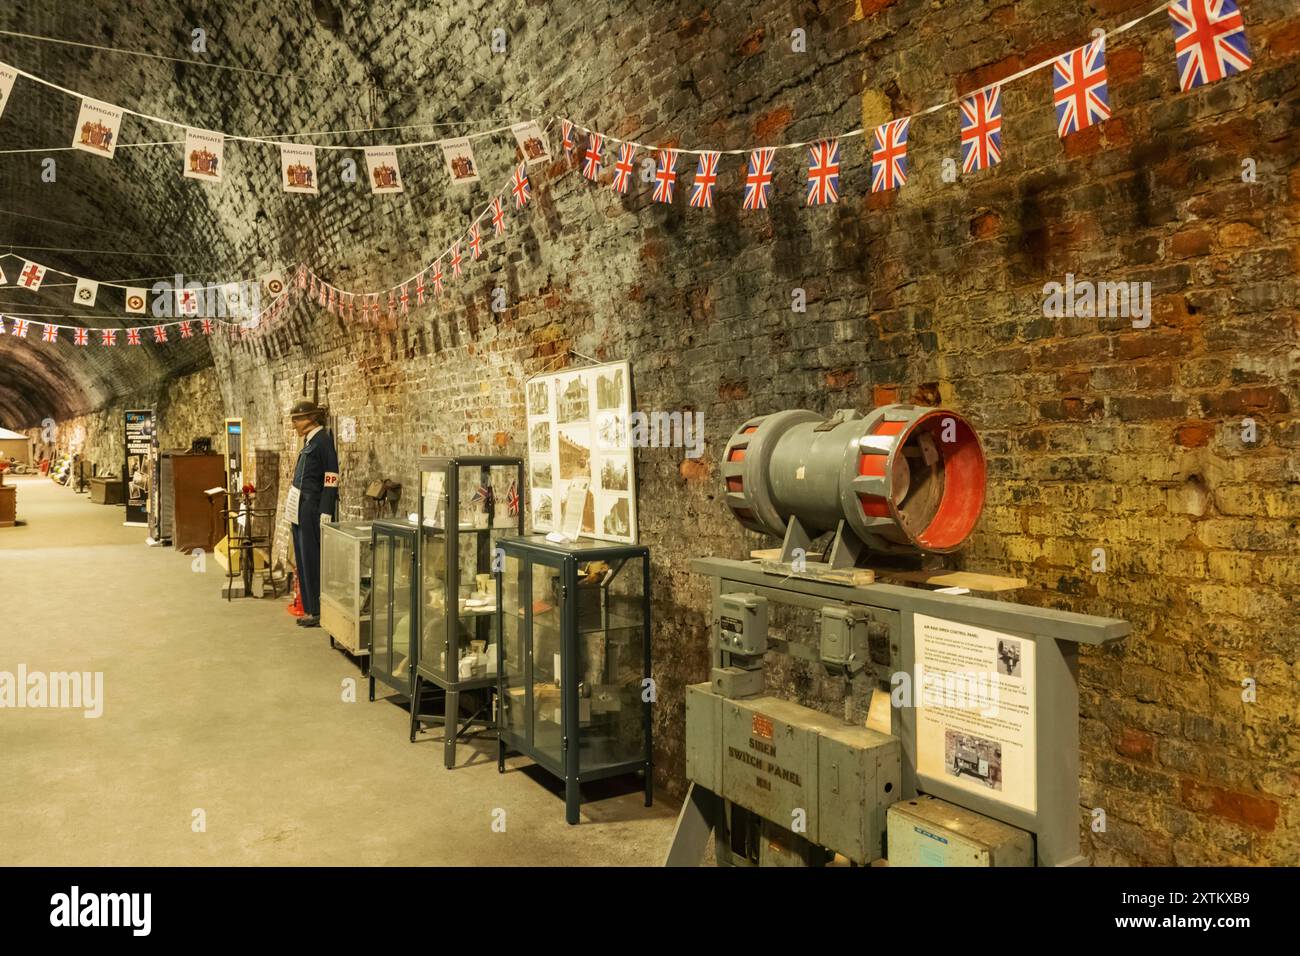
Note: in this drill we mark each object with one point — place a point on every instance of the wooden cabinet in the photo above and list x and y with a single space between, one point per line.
195 521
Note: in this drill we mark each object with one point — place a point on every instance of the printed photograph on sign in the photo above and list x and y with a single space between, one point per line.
539 438
975 757
298 169
460 160
543 512
571 400
97 128
611 430
532 142
382 169
613 474
204 152
610 389
574 449
7 77
615 516
538 398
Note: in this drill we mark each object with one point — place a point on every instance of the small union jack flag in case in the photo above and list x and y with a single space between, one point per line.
437 277
207 326
107 337
185 330
566 128
758 179
706 177
1209 41
475 242
485 495
623 168
981 129
512 498
82 337
20 328
51 333
665 175
132 336
1079 88
405 299
824 172
498 217
519 186
591 158
455 258
160 333
889 157
419 289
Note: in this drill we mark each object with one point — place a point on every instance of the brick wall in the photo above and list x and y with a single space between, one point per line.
1099 435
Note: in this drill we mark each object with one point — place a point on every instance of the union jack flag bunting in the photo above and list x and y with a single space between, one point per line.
107 337
889 156
591 159
512 498
1209 41
82 337
392 303
2 325
132 336
437 277
20 328
419 289
455 258
665 175
566 128
405 299
207 326
519 186
498 217
1079 88
185 330
981 130
623 168
475 242
824 172
160 333
706 177
302 277
323 297
51 333
758 179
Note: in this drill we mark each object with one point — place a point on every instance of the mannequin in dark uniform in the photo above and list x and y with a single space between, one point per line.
316 481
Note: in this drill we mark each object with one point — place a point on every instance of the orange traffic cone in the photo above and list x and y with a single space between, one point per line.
296 607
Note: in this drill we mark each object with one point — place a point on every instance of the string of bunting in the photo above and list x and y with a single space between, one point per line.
1209 44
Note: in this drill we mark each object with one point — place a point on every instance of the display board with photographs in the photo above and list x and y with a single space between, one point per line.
578 430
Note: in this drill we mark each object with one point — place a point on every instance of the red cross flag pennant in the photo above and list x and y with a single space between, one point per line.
187 303
136 300
31 276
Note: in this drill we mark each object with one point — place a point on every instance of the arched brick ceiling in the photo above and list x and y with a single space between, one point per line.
136 213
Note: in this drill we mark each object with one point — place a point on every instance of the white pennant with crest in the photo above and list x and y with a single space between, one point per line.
136 300
7 76
204 155
298 169
98 125
87 291
385 174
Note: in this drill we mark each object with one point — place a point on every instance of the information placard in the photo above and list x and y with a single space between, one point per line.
138 439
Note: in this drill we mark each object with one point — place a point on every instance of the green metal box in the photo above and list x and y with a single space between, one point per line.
926 831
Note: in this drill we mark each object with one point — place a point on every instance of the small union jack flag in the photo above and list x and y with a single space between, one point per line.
437 277
1079 88
185 330
107 337
160 333
2 325
475 242
566 127
981 129
706 177
302 277
623 168
758 179
207 326
323 297
889 157
405 299
1209 41
334 299
374 306
51 333
498 217
132 336
82 337
512 498
824 172
485 495
20 328
665 175
392 303
455 258
519 186
591 159
419 289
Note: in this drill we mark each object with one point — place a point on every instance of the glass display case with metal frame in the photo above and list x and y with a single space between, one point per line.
463 501
392 617
345 586
574 666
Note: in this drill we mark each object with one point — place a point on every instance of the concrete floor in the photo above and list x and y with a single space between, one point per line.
232 709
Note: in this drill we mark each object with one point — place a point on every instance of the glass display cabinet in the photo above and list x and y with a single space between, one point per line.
463 501
572 671
345 586
392 617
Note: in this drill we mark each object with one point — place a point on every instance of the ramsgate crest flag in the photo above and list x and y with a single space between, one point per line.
298 169
459 154
383 170
7 76
98 125
204 155
532 142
